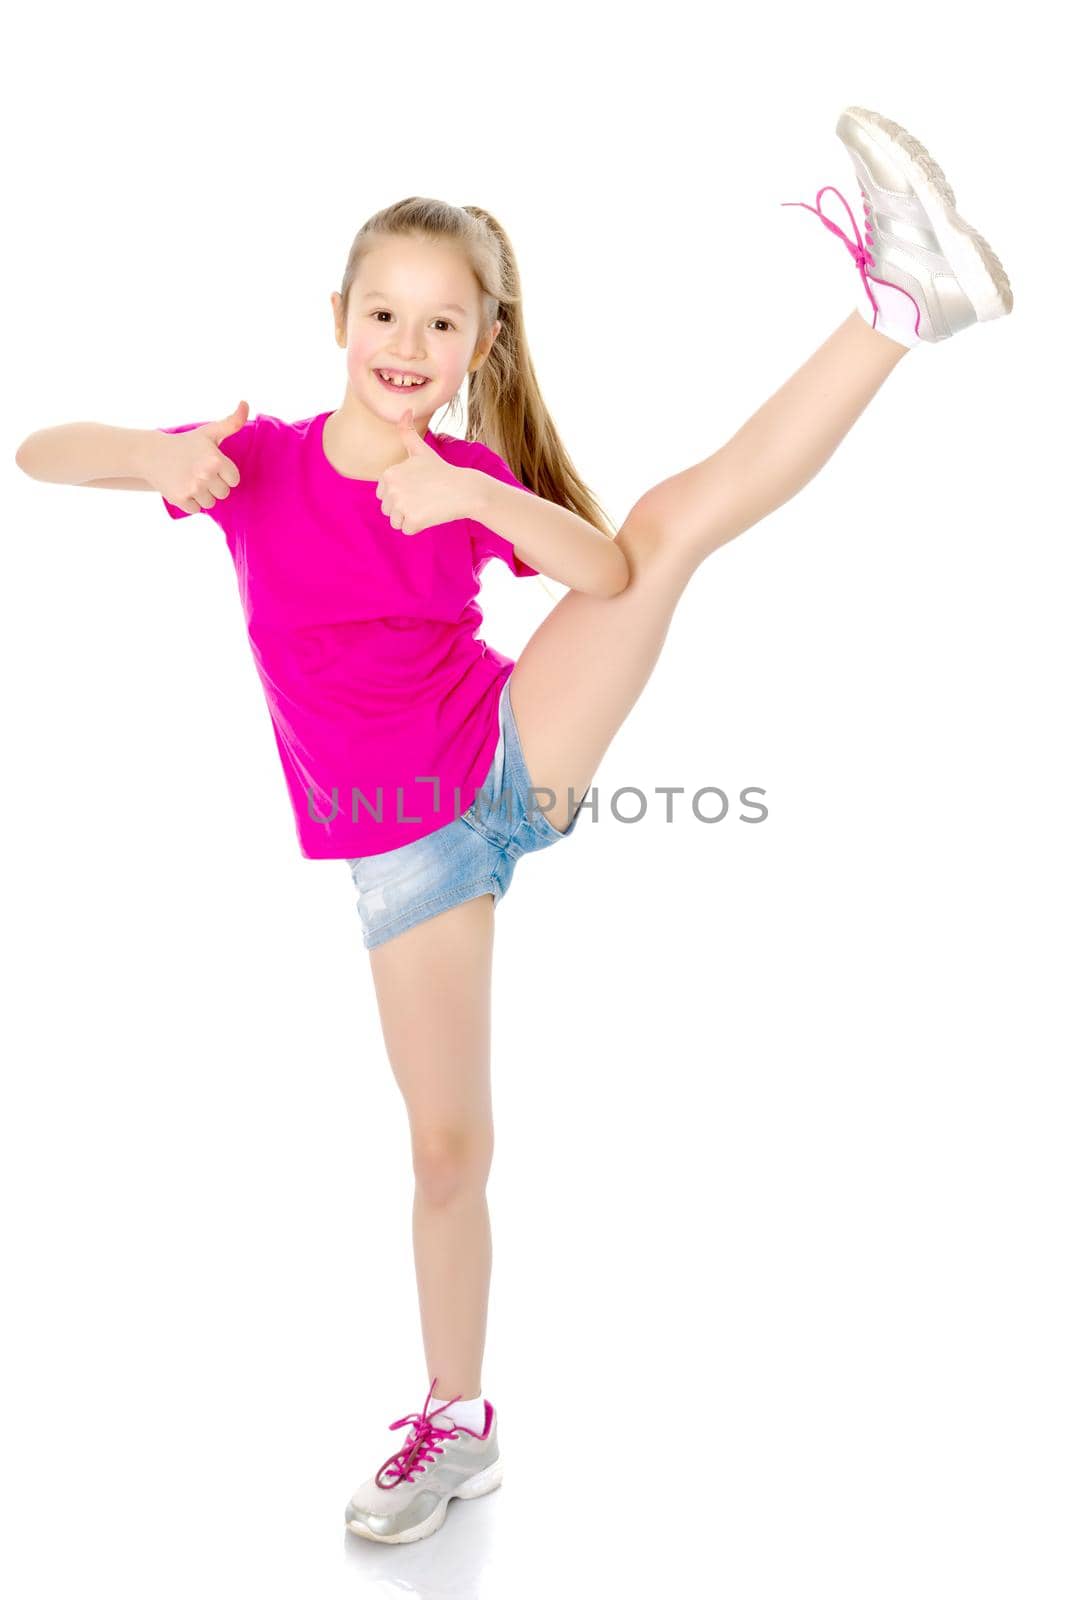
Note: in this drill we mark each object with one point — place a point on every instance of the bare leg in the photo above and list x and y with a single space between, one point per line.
432 984
581 673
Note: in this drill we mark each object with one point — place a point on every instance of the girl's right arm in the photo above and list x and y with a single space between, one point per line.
186 468
89 453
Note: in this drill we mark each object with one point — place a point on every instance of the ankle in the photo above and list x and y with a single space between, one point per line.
442 1392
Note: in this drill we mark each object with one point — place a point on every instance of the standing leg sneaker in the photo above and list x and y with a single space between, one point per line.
408 1496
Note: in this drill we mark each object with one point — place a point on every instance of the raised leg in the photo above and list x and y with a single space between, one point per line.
432 984
581 673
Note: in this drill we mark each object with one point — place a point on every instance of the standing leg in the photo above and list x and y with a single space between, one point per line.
432 984
581 673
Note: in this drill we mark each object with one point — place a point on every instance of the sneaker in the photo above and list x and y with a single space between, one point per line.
408 1496
916 241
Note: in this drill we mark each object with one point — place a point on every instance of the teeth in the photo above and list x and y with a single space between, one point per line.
403 383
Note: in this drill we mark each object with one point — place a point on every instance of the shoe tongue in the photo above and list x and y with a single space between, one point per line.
459 1417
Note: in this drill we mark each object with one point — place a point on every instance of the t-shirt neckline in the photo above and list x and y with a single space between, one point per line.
331 470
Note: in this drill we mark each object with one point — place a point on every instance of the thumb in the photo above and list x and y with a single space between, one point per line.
416 444
227 425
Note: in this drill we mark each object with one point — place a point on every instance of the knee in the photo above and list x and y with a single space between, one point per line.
660 538
684 524
648 518
449 1162
641 535
654 553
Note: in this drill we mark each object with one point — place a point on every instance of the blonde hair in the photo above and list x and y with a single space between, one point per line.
506 409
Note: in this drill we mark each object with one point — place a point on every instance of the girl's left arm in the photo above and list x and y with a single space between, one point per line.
551 538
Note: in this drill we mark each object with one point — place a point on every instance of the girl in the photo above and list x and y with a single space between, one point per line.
413 750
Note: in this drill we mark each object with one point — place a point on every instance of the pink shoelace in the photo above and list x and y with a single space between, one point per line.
859 251
421 1450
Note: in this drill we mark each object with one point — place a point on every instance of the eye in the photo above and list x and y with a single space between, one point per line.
445 320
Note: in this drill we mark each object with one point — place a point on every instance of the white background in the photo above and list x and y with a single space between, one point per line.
777 1198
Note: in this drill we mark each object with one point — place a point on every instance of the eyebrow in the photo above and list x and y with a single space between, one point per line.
376 294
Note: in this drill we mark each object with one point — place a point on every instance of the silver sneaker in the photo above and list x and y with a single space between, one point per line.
916 240
408 1496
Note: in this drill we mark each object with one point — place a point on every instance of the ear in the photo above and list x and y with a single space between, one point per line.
484 346
338 324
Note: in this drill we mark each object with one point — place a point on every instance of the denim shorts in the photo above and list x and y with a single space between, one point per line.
472 855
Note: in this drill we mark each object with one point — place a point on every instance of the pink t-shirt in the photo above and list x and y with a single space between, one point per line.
383 698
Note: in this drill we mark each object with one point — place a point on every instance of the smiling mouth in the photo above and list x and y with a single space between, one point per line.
406 387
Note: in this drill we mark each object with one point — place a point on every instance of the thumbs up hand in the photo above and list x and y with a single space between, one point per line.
189 469
423 490
231 424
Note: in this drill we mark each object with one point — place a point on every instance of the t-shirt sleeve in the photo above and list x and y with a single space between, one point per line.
240 448
486 541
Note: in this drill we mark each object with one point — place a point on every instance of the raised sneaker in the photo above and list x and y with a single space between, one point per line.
925 272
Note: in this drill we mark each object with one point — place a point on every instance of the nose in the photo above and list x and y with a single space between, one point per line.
407 345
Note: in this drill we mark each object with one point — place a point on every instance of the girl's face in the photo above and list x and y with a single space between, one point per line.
413 308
